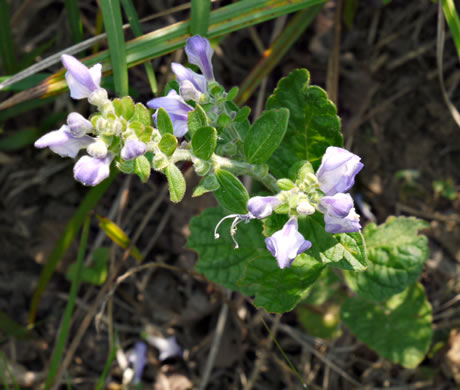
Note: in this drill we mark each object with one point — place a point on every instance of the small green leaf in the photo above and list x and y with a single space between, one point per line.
232 93
232 194
176 183
224 120
313 122
396 255
265 135
204 142
398 329
242 114
168 144
124 107
142 168
196 119
96 273
138 127
142 114
126 166
321 321
207 184
164 123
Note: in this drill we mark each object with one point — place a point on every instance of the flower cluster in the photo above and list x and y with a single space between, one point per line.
323 191
192 86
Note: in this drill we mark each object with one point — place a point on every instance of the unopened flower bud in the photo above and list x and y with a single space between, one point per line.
305 208
189 92
160 161
98 97
133 148
262 206
201 167
97 149
78 125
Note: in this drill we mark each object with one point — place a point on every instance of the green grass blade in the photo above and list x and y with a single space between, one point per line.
108 363
133 20
453 21
11 327
199 20
71 230
73 15
113 23
277 50
65 325
3 371
6 39
8 370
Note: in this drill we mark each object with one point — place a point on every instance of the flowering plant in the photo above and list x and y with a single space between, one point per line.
302 224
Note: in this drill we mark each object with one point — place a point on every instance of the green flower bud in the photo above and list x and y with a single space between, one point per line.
160 161
285 184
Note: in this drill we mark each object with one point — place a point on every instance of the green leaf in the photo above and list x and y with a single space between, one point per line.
164 123
207 184
313 122
96 273
168 144
142 114
232 93
346 250
398 329
265 135
199 19
12 328
113 24
176 183
124 107
196 119
142 168
250 269
204 142
396 255
232 194
448 7
6 39
73 15
321 322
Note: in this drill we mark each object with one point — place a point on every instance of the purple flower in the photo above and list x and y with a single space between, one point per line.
339 214
338 170
78 125
167 347
90 171
177 110
262 206
186 74
81 80
132 149
199 53
347 224
287 243
63 143
138 358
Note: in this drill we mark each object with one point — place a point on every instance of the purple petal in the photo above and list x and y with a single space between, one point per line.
90 171
262 206
132 149
167 347
138 358
199 52
349 224
286 244
81 80
78 125
337 206
63 143
183 73
179 121
172 103
338 170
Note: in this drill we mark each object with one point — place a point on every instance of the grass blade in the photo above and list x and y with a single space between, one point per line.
199 20
133 20
113 23
108 363
3 371
6 39
71 230
453 21
65 325
73 15
276 51
11 327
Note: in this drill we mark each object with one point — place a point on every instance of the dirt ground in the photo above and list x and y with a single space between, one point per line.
393 116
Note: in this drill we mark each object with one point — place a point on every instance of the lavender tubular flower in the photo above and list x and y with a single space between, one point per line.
138 358
63 142
287 243
177 110
132 149
338 170
339 214
81 80
186 74
348 224
262 206
167 347
78 125
199 53
90 171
